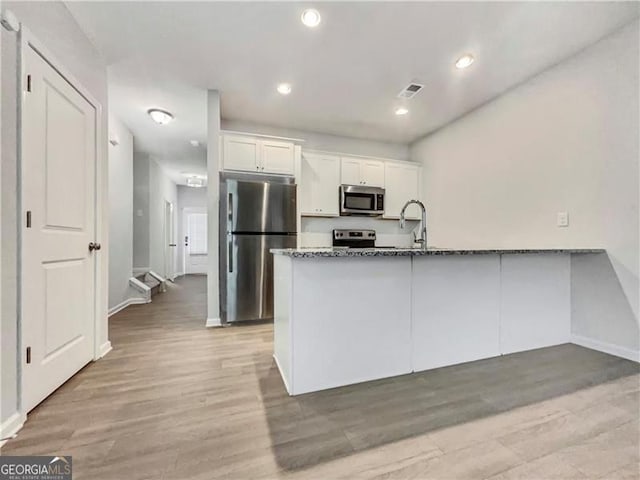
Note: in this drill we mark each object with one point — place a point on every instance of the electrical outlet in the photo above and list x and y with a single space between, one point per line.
562 219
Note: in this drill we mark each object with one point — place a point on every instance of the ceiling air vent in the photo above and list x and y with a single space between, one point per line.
410 90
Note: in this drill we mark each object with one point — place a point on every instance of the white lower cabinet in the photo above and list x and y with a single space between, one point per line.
319 185
402 183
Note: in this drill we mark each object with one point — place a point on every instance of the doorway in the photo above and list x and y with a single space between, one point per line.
195 241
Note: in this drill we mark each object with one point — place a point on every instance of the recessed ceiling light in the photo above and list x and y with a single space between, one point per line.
311 17
284 88
160 116
465 61
194 143
401 111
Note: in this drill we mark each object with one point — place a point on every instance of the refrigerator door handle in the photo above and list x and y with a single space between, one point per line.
230 253
230 210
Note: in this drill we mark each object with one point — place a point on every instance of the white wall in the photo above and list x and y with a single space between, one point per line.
161 189
120 212
141 212
213 192
188 197
152 188
566 140
52 24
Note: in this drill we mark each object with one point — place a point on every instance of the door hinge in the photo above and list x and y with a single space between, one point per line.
28 218
28 355
28 83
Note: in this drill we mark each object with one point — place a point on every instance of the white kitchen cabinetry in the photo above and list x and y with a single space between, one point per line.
240 153
401 183
277 157
319 183
250 154
361 171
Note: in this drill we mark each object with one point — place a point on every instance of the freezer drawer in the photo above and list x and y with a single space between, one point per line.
247 293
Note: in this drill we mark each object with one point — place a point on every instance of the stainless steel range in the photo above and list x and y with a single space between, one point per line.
354 238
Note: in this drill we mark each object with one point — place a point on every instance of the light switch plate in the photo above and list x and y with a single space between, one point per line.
563 219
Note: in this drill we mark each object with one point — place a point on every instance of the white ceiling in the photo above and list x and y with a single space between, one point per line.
345 74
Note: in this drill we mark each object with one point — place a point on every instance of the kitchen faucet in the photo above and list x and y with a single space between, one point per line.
423 230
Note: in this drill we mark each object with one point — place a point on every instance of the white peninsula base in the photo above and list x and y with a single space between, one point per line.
348 318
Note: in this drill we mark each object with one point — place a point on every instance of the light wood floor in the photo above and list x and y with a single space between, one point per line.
174 400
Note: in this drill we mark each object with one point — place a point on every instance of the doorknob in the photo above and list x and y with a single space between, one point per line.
94 246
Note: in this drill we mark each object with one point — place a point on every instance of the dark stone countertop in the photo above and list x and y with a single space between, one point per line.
416 252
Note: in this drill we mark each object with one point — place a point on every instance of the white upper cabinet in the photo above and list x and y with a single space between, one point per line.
372 172
319 184
358 171
402 183
277 157
250 154
351 172
240 153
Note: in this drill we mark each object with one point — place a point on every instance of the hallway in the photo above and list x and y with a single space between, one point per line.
174 400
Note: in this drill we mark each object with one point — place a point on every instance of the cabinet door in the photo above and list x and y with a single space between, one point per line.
240 153
350 171
372 173
277 157
402 183
319 185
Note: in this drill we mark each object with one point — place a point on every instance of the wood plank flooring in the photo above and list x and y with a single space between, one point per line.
174 400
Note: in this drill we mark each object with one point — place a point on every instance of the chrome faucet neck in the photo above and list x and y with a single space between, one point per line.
423 230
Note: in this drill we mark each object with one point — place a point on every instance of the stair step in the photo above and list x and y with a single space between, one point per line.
150 282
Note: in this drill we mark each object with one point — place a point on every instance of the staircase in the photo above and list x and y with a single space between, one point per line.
149 284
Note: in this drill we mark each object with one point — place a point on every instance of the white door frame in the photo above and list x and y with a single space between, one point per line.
27 40
185 229
169 214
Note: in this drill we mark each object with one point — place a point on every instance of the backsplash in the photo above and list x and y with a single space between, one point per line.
316 231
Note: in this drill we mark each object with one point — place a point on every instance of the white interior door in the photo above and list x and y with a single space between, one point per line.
169 241
196 248
59 207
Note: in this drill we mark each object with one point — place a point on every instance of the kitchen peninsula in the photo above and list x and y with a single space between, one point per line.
345 316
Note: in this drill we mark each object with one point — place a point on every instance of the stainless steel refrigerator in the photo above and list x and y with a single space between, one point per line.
257 213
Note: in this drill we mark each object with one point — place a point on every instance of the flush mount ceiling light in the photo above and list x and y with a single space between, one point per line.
401 111
311 17
464 61
161 117
196 181
284 88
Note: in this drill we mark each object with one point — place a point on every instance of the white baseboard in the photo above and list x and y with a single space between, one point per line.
126 303
605 347
213 322
104 349
11 426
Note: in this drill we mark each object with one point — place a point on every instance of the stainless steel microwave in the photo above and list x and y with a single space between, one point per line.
359 200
